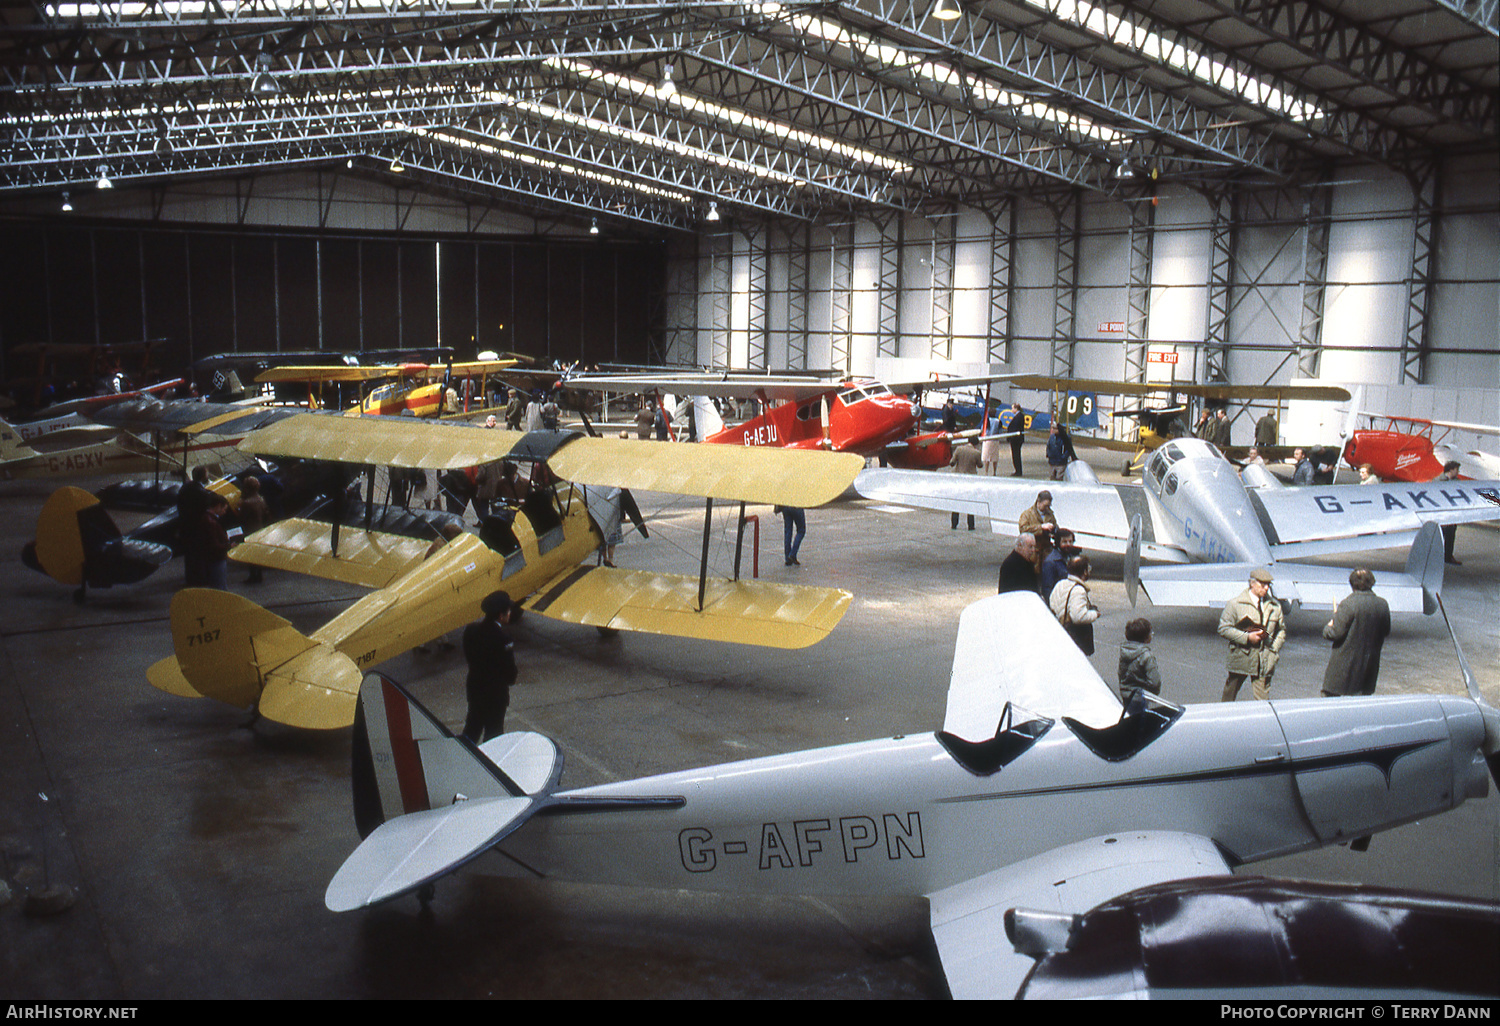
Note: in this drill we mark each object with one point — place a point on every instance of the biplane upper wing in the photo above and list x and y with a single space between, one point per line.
1044 383
784 478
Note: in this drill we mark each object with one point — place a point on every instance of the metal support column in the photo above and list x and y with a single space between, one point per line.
888 286
1067 215
841 297
944 232
1220 286
758 298
798 268
1424 232
1316 207
720 264
1002 283
1138 293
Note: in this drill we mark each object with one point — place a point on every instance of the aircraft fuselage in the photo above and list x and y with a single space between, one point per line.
1202 506
861 418
904 816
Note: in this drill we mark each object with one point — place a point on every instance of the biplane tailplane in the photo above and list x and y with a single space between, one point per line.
231 649
427 801
11 446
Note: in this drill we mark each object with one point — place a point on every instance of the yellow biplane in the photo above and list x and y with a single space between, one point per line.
418 387
1157 426
228 648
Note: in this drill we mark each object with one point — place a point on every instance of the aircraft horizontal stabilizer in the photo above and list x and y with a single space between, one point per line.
747 612
1212 585
369 559
427 801
231 649
405 853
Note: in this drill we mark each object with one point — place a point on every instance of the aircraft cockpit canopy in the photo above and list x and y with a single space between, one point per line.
850 396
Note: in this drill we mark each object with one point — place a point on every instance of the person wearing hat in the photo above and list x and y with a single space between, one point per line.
492 667
1255 628
1450 531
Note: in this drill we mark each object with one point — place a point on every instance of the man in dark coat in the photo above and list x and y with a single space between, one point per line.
1358 630
492 668
1018 571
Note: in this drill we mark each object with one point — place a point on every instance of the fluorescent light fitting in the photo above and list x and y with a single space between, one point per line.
946 10
713 211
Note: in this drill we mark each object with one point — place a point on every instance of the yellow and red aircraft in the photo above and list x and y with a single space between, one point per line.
418 387
230 649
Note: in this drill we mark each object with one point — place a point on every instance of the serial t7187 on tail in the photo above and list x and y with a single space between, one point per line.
1068 802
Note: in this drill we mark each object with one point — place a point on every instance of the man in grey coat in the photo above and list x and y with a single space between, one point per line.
1358 630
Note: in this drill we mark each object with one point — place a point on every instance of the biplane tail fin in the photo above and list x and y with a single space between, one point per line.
427 801
230 649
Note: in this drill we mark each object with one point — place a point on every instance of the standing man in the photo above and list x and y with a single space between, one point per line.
1220 435
965 461
1302 474
1018 571
1039 521
1055 566
492 667
1358 631
950 416
1018 426
1450 531
1057 452
1265 431
1253 625
515 411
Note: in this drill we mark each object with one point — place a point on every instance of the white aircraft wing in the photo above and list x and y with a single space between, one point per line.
1046 676
969 918
1098 514
1321 519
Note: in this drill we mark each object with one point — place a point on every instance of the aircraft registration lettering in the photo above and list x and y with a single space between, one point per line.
204 638
78 461
795 846
1419 500
763 435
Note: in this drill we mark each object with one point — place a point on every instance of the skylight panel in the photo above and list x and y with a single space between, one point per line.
1121 32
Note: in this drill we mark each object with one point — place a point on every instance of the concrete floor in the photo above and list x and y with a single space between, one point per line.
200 850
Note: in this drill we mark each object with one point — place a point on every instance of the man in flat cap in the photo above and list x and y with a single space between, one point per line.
1253 625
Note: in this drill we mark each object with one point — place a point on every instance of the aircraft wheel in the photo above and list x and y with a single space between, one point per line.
607 633
1125 470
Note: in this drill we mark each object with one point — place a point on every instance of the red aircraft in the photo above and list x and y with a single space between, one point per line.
1405 448
861 416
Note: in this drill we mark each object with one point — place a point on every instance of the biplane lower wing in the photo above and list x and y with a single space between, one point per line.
398 542
753 612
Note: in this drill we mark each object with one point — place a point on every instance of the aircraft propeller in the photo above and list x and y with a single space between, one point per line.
1488 712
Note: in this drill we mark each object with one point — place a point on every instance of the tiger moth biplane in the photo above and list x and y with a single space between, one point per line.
227 647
